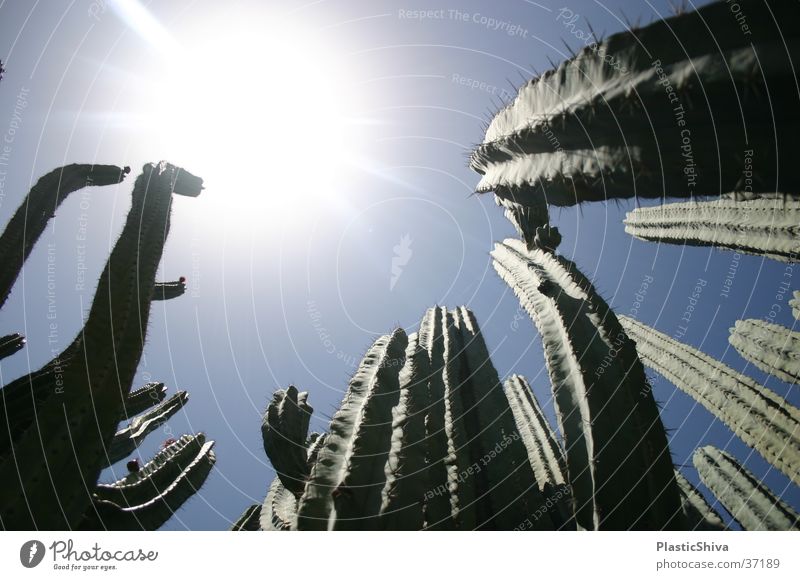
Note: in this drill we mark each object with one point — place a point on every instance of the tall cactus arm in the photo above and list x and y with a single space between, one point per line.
279 510
438 510
249 521
525 218
141 399
344 488
618 459
773 348
30 219
403 494
169 290
146 499
699 515
795 304
95 372
758 416
284 431
11 343
128 439
765 227
749 501
544 451
654 112
511 486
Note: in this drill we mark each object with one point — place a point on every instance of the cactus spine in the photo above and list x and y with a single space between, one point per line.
758 416
750 502
773 348
795 304
618 460
766 227
75 402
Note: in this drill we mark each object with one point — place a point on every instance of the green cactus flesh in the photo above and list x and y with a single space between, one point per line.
748 500
758 416
80 395
618 460
765 227
773 348
654 112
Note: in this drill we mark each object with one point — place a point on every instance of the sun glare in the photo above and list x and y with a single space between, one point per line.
260 111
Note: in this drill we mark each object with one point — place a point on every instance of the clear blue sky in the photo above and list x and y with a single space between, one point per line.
288 256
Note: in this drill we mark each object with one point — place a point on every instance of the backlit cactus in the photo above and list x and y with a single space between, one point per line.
76 401
653 112
616 447
773 348
425 438
758 416
10 344
765 227
748 500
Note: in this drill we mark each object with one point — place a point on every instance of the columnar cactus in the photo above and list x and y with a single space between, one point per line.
654 112
544 451
169 290
618 461
773 348
748 500
75 402
758 416
30 220
425 439
699 515
765 227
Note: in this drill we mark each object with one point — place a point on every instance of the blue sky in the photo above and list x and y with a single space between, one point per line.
288 253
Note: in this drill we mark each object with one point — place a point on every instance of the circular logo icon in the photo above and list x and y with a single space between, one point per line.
31 553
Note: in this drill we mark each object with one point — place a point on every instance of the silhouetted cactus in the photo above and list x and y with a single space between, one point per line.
616 447
759 417
10 344
765 227
75 402
169 290
773 348
654 112
748 500
425 438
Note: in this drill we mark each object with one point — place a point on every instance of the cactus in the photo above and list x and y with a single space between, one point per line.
147 498
249 521
618 460
773 348
141 399
654 112
425 439
75 401
169 290
285 431
748 501
766 227
11 343
758 416
544 451
30 220
699 515
795 304
126 440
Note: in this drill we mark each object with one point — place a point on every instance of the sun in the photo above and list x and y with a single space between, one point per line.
260 107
